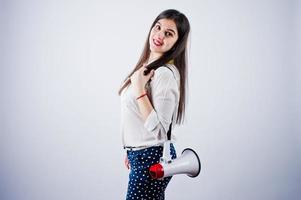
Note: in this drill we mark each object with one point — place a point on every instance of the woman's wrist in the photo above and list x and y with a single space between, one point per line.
139 91
142 95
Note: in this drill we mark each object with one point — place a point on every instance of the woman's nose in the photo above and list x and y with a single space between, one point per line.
160 35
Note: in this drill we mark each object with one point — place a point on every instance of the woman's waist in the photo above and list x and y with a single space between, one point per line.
144 144
141 147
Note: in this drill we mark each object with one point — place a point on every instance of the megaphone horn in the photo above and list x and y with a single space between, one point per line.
188 163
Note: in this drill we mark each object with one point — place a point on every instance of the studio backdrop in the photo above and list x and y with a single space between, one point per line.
62 63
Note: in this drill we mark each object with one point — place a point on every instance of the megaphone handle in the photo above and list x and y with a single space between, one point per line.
166 157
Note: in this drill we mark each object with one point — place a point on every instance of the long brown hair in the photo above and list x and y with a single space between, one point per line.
178 53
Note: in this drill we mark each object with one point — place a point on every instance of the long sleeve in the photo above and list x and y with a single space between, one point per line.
165 97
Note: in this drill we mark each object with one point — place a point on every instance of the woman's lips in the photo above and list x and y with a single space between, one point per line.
157 42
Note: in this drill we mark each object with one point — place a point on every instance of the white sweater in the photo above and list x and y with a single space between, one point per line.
165 96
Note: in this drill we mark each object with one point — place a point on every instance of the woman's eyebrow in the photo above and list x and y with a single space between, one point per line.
168 28
172 31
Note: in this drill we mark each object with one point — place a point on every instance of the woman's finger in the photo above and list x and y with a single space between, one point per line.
127 163
151 73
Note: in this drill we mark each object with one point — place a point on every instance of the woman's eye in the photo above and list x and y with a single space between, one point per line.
168 34
157 27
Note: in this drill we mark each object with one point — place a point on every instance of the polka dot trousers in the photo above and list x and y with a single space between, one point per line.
141 186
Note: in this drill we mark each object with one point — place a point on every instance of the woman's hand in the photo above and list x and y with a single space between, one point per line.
139 80
126 162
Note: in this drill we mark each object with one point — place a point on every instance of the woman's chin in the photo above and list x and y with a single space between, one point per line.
156 50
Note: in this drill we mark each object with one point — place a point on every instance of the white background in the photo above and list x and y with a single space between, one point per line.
62 62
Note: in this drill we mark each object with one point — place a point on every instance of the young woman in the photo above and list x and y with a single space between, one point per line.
153 101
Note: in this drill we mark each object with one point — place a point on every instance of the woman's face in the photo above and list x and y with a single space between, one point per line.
163 36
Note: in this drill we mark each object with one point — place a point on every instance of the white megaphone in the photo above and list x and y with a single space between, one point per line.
188 163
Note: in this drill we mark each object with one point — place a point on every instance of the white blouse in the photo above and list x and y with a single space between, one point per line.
165 94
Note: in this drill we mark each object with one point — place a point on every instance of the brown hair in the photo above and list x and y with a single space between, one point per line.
178 53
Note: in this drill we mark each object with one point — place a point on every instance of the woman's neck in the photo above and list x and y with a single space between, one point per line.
153 57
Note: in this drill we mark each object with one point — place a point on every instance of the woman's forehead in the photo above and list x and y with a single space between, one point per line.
168 24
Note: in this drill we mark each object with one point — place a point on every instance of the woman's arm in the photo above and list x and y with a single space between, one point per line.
165 96
145 106
138 81
165 99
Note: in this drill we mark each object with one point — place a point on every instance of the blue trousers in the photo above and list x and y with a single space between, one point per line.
141 186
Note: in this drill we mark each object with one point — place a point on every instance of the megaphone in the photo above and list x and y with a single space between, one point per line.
188 163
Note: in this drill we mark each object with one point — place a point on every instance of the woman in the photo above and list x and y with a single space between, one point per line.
153 100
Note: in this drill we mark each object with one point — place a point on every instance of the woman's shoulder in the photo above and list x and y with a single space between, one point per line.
168 70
